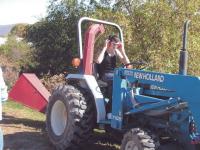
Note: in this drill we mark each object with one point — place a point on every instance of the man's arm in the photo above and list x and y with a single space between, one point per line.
101 55
122 56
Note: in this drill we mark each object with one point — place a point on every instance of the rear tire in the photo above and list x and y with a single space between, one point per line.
137 139
70 117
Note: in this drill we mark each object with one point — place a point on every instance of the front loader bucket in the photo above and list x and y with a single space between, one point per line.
28 90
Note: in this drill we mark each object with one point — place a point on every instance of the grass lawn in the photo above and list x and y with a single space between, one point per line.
22 111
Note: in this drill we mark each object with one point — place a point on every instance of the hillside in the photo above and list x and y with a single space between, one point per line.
5 29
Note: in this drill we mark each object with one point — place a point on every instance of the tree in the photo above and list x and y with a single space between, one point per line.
54 38
152 31
156 28
19 30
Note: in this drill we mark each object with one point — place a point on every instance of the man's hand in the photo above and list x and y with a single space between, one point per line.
106 44
129 66
121 49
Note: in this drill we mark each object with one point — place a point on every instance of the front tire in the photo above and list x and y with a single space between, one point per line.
137 139
70 117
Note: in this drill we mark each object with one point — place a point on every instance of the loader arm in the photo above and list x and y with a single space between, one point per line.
156 93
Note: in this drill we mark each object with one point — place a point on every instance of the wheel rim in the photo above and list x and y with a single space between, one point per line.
58 117
131 145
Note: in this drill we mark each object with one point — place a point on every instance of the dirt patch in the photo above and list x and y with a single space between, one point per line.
24 134
27 134
24 129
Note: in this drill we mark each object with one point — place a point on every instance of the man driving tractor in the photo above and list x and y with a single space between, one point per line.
107 63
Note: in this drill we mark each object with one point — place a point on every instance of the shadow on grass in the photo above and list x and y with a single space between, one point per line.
26 122
25 140
102 141
39 141
35 140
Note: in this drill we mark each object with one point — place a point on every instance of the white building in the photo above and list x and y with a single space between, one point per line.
3 40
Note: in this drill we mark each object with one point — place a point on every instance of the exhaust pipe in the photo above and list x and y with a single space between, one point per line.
183 61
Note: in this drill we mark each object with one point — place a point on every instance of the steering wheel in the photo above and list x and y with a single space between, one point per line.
137 64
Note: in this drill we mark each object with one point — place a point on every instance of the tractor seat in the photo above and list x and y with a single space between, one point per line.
97 74
102 84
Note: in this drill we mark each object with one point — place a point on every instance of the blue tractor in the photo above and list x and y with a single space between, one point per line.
146 106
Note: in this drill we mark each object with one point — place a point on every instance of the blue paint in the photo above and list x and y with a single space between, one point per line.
159 92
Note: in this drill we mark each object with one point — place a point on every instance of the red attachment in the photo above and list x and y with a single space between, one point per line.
29 91
95 29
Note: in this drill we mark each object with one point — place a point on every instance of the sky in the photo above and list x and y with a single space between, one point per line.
22 11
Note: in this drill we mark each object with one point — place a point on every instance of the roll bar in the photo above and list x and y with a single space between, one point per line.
81 20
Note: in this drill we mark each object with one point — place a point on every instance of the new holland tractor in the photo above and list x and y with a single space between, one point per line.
147 107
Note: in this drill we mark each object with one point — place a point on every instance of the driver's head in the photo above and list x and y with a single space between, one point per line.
114 41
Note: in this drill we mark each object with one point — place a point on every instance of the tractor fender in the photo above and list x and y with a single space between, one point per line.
90 82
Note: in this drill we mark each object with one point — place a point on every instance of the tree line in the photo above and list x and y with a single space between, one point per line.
152 32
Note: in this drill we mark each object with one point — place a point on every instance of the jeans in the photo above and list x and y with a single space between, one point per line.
1 139
108 78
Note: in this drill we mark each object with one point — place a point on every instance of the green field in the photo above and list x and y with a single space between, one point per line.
21 110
